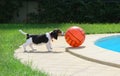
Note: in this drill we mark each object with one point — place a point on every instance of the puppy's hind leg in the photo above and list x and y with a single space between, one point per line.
28 42
24 46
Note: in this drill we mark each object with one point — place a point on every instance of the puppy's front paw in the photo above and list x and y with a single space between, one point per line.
50 50
34 49
25 50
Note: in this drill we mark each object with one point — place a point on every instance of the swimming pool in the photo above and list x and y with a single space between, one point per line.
111 42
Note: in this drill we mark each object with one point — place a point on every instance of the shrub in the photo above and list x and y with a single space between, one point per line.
8 8
78 11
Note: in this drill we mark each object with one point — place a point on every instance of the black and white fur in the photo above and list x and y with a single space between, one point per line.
43 38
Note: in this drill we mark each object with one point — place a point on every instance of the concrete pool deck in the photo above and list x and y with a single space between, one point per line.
95 53
87 60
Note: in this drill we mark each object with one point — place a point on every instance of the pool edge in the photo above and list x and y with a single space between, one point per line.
90 45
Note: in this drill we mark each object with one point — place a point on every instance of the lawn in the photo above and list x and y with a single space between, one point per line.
11 39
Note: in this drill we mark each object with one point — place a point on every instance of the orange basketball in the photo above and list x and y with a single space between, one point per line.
75 36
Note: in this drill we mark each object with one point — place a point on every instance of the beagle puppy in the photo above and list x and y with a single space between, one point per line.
42 38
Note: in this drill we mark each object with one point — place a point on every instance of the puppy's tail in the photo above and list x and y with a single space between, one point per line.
24 33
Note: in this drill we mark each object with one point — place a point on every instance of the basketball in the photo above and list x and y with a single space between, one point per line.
75 36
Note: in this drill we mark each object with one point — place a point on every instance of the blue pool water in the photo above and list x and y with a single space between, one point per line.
111 43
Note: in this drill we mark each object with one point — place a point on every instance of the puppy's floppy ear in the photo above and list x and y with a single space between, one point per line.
56 36
54 33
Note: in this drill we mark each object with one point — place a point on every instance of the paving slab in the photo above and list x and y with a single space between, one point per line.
62 63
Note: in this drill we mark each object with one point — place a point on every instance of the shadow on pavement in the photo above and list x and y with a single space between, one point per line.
43 51
80 47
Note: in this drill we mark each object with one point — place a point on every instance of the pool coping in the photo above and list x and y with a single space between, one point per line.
89 51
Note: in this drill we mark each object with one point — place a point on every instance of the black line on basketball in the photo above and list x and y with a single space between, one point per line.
74 36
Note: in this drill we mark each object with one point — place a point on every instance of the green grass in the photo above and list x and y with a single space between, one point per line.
11 39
